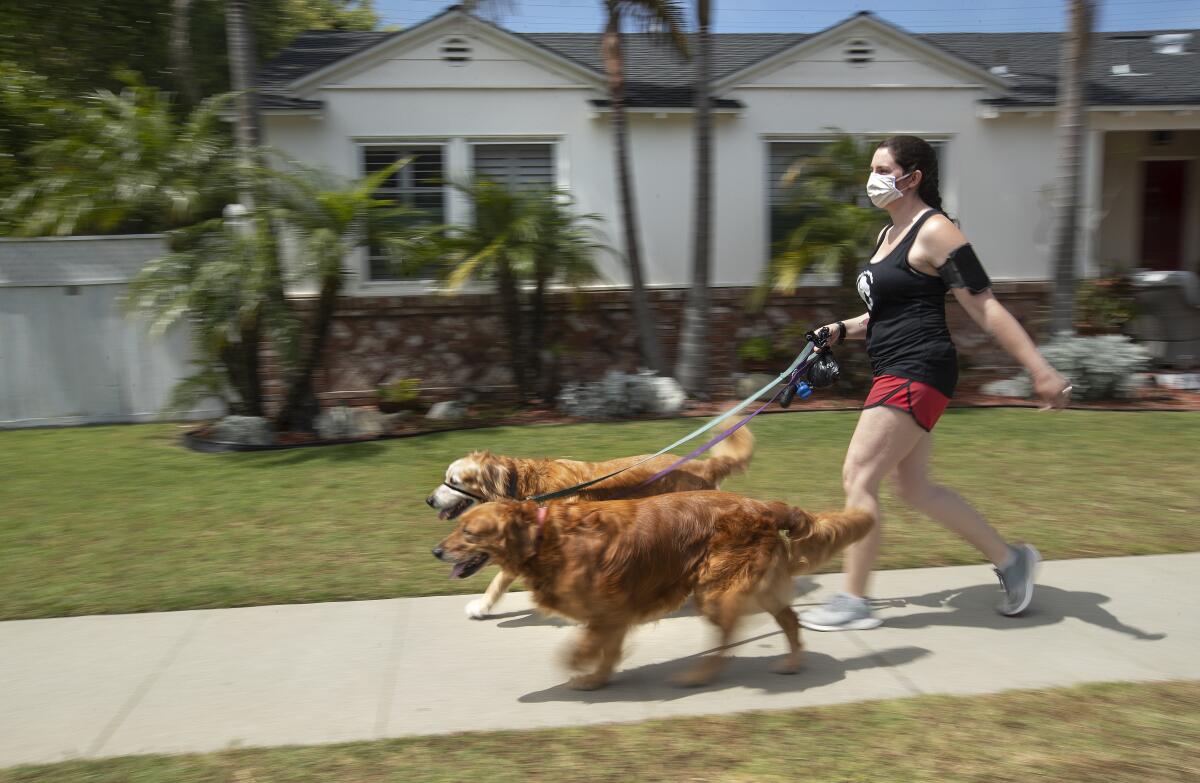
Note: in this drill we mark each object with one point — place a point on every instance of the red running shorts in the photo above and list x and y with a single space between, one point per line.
925 403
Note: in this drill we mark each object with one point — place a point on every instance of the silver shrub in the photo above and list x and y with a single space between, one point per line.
618 395
1102 367
244 430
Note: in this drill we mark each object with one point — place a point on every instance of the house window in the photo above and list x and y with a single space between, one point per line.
419 185
785 168
516 166
786 172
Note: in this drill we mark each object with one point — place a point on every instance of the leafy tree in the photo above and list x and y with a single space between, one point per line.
117 163
81 45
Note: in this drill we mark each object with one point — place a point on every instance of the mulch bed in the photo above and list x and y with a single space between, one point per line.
968 396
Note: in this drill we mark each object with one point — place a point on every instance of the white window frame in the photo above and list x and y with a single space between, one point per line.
458 161
360 261
561 180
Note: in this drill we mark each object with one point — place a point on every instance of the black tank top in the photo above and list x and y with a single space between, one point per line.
907 334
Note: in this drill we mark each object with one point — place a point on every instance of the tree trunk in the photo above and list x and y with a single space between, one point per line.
300 406
181 52
692 369
642 312
1072 123
539 353
242 367
240 43
510 306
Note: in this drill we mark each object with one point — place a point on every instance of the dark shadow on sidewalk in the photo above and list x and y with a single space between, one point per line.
652 682
974 607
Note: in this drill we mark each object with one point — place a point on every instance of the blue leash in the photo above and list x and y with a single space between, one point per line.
789 375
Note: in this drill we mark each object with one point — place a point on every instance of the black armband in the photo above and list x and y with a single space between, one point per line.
963 270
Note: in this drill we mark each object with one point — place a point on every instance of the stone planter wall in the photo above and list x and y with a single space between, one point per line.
455 342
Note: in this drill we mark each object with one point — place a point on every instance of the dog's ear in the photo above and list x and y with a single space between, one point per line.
493 477
521 528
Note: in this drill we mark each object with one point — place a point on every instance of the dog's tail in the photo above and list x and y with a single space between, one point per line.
812 540
730 456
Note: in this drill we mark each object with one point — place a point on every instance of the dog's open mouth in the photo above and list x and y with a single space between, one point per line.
465 568
450 512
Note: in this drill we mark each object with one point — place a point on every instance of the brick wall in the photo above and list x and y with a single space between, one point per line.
456 342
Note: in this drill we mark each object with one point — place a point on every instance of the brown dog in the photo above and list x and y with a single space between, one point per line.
612 565
482 476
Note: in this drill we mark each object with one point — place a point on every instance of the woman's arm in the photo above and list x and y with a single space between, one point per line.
856 329
932 248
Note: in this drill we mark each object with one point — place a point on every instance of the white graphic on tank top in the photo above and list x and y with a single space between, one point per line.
865 279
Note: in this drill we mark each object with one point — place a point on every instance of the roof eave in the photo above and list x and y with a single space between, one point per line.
819 39
308 80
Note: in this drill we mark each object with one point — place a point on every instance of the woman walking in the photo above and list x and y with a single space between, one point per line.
918 256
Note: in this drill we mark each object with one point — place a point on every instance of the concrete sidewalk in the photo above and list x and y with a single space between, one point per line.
205 680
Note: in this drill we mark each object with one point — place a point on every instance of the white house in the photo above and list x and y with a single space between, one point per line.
465 95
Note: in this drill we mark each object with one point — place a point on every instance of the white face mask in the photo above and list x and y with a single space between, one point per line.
882 188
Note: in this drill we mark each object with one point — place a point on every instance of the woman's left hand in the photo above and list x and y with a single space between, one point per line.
1052 388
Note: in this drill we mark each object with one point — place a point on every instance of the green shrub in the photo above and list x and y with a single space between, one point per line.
400 391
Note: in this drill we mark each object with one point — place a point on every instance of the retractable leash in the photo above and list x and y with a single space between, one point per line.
814 350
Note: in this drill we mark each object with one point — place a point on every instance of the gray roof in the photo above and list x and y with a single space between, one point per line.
656 76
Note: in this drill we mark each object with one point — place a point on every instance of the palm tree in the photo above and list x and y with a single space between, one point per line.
218 279
564 250
834 231
666 17
692 368
325 219
1072 121
520 235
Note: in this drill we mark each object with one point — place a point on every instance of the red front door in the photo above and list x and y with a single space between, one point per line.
1162 213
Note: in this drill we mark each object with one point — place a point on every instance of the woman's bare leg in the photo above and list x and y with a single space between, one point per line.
945 506
884 436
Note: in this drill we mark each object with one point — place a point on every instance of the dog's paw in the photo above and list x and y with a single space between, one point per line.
694 678
478 609
587 682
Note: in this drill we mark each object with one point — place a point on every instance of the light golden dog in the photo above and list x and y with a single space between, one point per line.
482 476
612 565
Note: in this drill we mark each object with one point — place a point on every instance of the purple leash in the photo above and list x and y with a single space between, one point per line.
791 379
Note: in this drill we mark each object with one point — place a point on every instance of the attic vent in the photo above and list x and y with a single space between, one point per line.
1000 56
1171 43
1129 46
858 51
456 50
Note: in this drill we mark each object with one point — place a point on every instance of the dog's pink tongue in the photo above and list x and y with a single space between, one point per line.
456 572
444 514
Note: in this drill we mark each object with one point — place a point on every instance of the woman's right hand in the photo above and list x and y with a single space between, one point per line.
833 333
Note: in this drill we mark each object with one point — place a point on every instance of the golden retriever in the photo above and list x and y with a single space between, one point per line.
482 476
611 565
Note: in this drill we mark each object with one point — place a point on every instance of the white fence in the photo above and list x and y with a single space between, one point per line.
69 353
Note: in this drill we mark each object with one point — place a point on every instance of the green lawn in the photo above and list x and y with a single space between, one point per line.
122 519
1120 733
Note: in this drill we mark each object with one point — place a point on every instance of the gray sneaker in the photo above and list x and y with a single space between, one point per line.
1017 580
843 612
